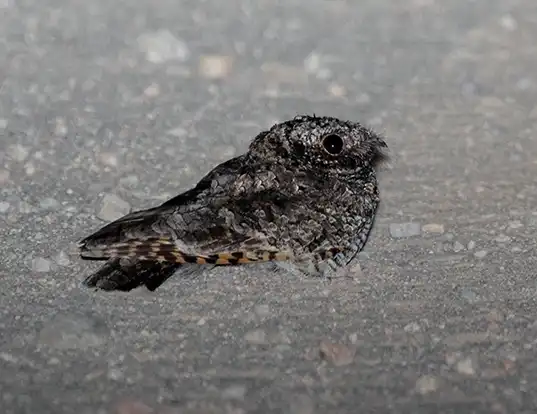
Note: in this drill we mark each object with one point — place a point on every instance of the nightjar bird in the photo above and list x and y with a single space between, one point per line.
303 196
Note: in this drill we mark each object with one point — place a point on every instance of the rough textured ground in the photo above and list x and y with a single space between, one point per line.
107 106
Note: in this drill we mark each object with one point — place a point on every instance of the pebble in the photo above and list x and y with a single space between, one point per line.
314 64
215 66
338 354
49 203
178 132
29 168
25 208
162 46
62 259
337 90
515 224
234 392
401 230
41 265
412 327
256 337
457 247
427 384
508 23
433 228
108 158
129 181
112 208
4 207
282 73
17 152
353 338
524 84
480 254
466 367
60 129
502 238
470 245
152 91
3 123
468 294
115 374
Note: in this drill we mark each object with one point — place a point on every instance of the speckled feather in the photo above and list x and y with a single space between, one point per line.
287 199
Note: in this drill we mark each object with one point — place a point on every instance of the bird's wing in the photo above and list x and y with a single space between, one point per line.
209 224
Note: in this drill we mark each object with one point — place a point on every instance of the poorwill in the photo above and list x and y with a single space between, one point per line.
304 196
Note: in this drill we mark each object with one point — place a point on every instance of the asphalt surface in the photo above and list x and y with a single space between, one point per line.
107 106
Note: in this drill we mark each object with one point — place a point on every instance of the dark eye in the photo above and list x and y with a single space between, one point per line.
333 144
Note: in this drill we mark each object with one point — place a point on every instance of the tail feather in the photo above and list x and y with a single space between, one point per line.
159 249
127 274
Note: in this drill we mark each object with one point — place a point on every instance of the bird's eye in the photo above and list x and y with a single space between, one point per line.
333 144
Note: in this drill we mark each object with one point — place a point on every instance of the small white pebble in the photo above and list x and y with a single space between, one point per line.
466 367
29 168
129 181
234 392
112 208
178 132
412 327
457 247
337 90
152 91
42 265
509 23
4 207
17 152
401 230
115 374
61 129
433 228
62 259
353 338
480 254
471 245
515 224
215 66
49 203
426 384
502 238
312 64
109 159
162 46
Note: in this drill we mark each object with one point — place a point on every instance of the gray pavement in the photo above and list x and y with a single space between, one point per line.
107 106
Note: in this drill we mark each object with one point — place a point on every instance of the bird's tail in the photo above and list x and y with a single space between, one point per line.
126 274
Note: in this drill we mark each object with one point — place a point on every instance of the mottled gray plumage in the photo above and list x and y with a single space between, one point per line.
305 193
